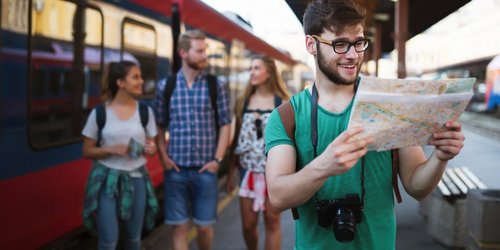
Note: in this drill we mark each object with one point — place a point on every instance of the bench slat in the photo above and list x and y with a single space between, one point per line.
457 181
444 190
449 183
473 178
465 178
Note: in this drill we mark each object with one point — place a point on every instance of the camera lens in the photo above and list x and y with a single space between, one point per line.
344 224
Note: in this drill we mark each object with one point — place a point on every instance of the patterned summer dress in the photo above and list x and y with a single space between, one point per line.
251 150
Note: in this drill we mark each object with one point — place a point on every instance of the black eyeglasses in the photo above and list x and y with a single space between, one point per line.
258 127
342 47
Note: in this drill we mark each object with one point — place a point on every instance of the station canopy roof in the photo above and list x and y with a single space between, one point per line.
422 15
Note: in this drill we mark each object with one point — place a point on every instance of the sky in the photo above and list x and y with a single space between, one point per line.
273 21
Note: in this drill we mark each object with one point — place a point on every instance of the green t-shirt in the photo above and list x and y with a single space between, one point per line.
378 227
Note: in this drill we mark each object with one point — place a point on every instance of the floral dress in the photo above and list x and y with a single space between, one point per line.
251 151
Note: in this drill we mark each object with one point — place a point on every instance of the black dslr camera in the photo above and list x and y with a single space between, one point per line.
344 214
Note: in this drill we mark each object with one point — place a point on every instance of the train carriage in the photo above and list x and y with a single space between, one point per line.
52 57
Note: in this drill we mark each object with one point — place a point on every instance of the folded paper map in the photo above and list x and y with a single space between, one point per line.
135 149
399 113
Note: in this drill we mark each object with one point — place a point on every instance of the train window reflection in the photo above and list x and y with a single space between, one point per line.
65 70
139 41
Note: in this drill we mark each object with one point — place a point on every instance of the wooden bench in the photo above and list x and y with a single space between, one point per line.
455 183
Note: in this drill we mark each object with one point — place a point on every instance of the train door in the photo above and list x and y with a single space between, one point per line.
65 64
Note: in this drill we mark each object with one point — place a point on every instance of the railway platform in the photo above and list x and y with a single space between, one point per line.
480 155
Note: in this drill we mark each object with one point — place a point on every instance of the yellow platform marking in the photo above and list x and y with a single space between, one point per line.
220 206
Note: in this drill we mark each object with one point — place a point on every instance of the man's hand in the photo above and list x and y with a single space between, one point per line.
211 166
450 142
167 163
343 153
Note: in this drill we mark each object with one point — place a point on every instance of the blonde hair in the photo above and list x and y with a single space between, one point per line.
185 38
274 81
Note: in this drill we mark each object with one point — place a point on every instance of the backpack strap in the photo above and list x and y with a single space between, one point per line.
287 115
169 89
395 166
100 118
212 91
144 114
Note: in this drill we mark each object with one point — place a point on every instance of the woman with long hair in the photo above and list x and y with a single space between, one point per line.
119 187
264 92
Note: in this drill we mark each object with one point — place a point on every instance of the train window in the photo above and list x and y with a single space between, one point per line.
65 63
139 43
238 69
218 59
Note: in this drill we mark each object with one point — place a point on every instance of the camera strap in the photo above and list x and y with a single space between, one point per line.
314 140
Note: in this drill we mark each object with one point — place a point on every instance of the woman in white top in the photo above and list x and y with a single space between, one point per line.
119 187
262 94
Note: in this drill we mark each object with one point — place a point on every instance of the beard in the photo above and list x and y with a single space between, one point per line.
199 65
332 74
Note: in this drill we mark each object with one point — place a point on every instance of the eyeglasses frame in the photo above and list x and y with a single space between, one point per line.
332 43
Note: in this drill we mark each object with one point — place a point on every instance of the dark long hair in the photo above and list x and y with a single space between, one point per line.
113 72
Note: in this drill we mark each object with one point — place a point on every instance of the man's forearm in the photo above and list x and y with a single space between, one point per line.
290 189
222 142
426 177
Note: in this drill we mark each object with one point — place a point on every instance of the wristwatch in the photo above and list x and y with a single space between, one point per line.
218 160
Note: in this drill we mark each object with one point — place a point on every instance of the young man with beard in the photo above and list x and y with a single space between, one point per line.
338 183
192 153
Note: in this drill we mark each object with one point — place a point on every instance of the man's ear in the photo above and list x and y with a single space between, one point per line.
183 53
311 45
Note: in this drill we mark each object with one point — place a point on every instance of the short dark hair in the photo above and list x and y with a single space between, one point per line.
332 15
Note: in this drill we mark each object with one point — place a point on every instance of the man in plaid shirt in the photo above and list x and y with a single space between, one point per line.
192 152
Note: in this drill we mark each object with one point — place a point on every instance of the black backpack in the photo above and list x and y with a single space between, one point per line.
212 91
100 114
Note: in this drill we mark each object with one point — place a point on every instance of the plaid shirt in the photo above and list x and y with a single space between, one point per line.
192 128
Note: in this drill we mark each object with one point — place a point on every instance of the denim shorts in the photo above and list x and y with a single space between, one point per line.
190 194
